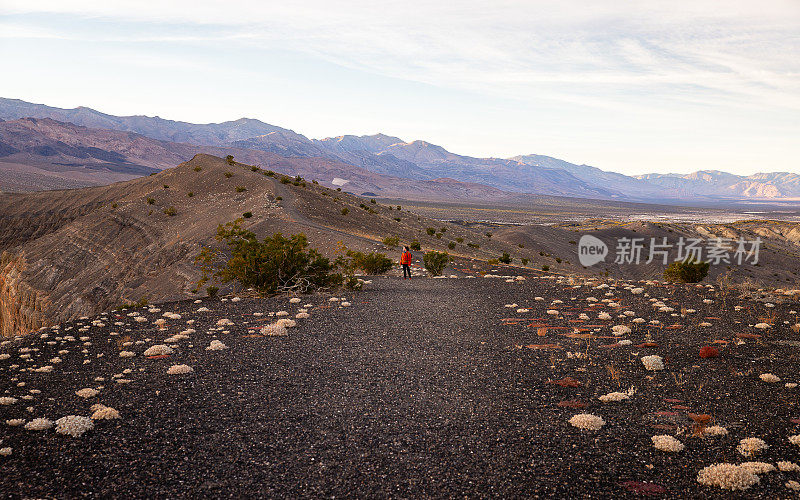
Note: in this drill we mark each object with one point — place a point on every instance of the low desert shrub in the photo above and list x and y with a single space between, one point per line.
391 241
415 245
686 271
241 189
247 215
435 262
371 263
229 159
345 211
170 210
276 264
431 231
505 258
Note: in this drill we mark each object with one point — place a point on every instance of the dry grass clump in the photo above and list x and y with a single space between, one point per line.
613 397
126 354
274 330
216 345
294 300
224 322
664 442
727 477
39 424
302 315
750 446
587 421
653 363
795 439
87 392
620 330
158 350
15 422
102 412
786 466
74 425
179 370
286 323
769 378
793 485
716 430
5 451
5 400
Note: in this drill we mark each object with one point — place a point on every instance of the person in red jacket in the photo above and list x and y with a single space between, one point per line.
405 260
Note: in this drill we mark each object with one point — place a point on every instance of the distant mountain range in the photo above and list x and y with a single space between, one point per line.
391 159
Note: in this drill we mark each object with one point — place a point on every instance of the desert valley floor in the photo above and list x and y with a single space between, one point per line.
430 387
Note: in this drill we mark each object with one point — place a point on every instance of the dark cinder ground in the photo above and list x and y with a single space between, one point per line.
422 388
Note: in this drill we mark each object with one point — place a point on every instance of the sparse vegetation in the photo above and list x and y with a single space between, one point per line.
212 291
247 215
228 175
415 245
229 159
391 241
241 189
166 186
254 169
170 210
505 258
460 240
524 261
435 262
198 169
190 194
150 201
451 245
345 211
431 231
473 245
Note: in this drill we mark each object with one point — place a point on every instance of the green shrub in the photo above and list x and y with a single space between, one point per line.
345 211
521 245
166 186
438 236
545 268
399 207
276 264
558 259
228 175
488 235
190 194
198 169
460 240
269 173
686 271
212 291
451 245
247 215
240 189
278 198
443 230
415 245
371 263
524 261
435 262
150 201
505 259
373 201
254 169
170 210
492 262
473 245
391 241
229 159
397 219
431 231
114 205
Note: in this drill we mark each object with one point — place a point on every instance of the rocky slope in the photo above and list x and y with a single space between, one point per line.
71 253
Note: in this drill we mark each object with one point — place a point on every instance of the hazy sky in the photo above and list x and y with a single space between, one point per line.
634 87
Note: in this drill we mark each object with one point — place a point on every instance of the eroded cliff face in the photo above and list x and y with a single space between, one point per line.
22 307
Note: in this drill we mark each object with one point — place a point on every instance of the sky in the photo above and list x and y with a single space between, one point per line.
633 87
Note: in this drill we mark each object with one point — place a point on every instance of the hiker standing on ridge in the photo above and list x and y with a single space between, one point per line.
405 261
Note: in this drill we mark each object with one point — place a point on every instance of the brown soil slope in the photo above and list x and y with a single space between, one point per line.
71 253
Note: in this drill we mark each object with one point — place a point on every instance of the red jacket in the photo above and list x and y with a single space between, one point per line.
405 258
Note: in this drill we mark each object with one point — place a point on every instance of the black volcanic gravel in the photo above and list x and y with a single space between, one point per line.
422 388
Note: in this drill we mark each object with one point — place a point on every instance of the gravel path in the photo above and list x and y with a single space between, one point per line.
421 388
